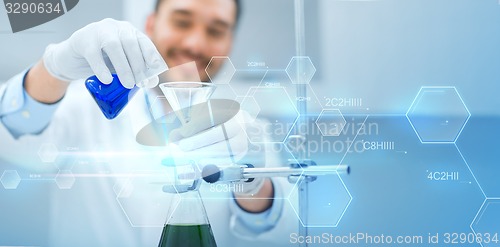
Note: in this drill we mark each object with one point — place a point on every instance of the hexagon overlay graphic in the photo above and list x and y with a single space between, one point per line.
275 78
330 122
438 114
48 152
243 80
249 105
10 179
296 145
300 70
486 222
279 112
144 203
65 179
222 75
224 91
329 198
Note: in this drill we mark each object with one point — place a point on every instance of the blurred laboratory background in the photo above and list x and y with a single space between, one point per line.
381 51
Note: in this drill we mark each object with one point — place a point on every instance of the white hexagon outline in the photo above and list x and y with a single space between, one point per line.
486 198
286 146
470 170
316 97
230 88
71 177
249 91
126 184
250 98
120 182
479 211
478 184
230 62
264 76
247 94
47 144
301 57
341 215
291 127
16 174
319 116
354 139
64 166
141 226
459 132
296 184
342 181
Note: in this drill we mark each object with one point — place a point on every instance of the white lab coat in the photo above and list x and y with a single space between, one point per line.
91 213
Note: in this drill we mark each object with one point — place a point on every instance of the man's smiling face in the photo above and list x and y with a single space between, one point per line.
193 30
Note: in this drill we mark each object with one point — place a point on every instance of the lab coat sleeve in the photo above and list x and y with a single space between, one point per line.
252 224
272 225
20 114
275 224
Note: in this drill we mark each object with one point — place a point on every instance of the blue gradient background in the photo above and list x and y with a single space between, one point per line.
384 51
391 192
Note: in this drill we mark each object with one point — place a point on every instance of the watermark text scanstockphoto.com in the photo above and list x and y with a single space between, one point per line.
382 239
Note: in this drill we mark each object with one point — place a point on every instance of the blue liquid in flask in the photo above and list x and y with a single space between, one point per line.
111 98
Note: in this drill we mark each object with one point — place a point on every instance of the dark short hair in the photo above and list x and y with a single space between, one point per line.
237 2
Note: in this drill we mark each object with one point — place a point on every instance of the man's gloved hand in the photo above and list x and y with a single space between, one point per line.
98 45
226 143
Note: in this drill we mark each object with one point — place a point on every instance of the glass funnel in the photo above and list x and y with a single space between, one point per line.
183 95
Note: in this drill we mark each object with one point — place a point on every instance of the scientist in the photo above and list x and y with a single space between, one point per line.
48 103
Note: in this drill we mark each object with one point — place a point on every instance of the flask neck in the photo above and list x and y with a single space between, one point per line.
189 211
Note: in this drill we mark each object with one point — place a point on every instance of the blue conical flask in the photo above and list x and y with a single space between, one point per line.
110 98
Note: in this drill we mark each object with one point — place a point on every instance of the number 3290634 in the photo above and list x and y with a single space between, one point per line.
32 8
